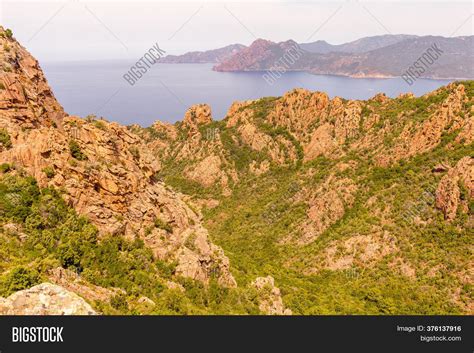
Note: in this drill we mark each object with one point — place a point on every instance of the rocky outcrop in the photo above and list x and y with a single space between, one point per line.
199 114
207 171
359 250
73 282
466 135
416 139
326 205
278 148
298 111
259 168
270 301
25 97
332 127
379 129
159 137
45 299
237 113
320 125
322 143
456 189
200 147
195 255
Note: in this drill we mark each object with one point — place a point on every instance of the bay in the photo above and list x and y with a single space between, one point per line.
167 90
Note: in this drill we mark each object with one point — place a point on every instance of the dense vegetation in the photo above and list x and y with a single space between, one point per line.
259 216
40 232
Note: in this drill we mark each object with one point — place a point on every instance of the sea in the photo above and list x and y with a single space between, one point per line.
166 91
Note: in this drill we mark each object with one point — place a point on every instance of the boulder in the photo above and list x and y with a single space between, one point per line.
45 299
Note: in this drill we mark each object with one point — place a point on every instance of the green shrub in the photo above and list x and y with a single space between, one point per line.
5 167
156 135
76 152
99 124
8 33
19 278
91 118
70 255
49 171
17 195
189 243
159 223
165 269
135 152
5 140
119 302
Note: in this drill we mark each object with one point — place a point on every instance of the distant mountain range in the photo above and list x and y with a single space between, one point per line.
208 56
378 57
358 46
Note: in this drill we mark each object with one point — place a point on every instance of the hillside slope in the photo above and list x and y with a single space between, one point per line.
352 206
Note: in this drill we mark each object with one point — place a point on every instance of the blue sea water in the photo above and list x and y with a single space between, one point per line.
167 90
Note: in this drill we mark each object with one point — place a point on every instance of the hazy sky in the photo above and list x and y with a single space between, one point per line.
90 30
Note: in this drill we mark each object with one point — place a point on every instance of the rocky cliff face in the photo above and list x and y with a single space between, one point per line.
414 138
196 145
269 297
456 188
26 100
105 170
